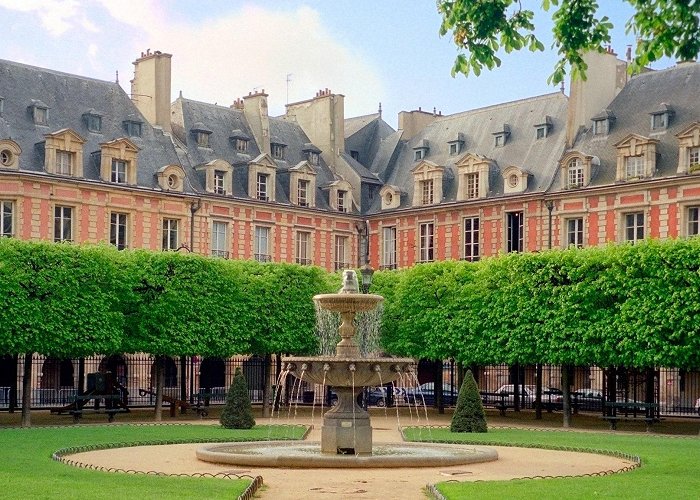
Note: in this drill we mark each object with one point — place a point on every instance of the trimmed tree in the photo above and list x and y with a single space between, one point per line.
469 415
238 412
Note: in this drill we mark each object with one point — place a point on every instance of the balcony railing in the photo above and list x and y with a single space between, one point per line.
303 262
384 267
263 257
220 253
341 265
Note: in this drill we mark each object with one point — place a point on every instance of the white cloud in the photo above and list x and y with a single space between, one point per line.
228 56
57 16
92 49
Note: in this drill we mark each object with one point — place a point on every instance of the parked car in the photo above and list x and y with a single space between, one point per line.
587 400
376 396
697 406
551 398
426 392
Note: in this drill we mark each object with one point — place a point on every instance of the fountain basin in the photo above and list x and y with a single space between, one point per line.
295 454
347 372
348 302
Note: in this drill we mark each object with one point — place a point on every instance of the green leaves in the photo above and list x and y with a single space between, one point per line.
482 28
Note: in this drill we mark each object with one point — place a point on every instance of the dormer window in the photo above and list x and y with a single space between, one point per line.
40 112
277 150
9 154
500 137
421 150
63 153
219 176
661 117
355 155
171 178
427 183
312 153
636 158
201 134
118 174
390 197
93 121
456 144
515 179
602 122
118 161
239 140
576 169
261 185
472 177
689 150
302 184
342 201
427 192
575 173
542 129
219 182
133 128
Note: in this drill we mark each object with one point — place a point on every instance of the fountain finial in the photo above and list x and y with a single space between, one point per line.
350 283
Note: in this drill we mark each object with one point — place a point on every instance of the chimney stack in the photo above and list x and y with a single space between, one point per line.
150 88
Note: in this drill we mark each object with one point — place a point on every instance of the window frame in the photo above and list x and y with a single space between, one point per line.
63 223
119 230
513 232
341 198
7 213
637 162
40 115
694 220
575 173
219 239
242 145
575 235
61 167
427 189
170 229
260 234
277 150
303 186
262 181
471 238
472 185
389 247
426 241
635 227
114 173
340 252
219 182
302 251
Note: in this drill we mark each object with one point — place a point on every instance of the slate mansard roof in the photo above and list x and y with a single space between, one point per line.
676 88
226 123
477 128
68 97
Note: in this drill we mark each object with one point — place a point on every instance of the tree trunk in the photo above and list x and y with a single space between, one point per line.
13 384
27 391
538 392
160 381
267 386
566 395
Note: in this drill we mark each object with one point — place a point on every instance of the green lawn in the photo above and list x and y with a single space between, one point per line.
28 472
670 465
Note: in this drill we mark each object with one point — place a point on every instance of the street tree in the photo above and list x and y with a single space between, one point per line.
482 28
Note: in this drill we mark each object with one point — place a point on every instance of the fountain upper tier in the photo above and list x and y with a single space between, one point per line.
348 302
348 372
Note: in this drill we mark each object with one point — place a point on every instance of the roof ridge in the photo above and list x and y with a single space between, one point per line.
56 72
501 105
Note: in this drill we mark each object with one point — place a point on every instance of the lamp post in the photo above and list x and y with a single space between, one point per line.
366 271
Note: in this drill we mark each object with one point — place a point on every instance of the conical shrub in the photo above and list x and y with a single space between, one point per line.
469 415
238 411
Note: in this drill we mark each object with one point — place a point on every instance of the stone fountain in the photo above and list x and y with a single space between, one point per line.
346 434
346 427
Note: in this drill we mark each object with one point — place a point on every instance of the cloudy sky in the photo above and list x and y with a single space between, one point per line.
371 51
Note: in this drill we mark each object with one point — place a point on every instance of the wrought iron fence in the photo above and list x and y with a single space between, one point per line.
56 382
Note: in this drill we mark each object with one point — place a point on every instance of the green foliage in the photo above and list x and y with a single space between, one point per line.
186 305
59 300
238 411
469 415
632 305
482 28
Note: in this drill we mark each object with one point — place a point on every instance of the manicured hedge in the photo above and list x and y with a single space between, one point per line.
632 305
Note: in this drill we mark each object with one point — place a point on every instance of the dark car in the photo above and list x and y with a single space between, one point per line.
587 400
426 393
376 396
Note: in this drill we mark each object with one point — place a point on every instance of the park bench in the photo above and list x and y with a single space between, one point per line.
111 405
499 400
617 411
